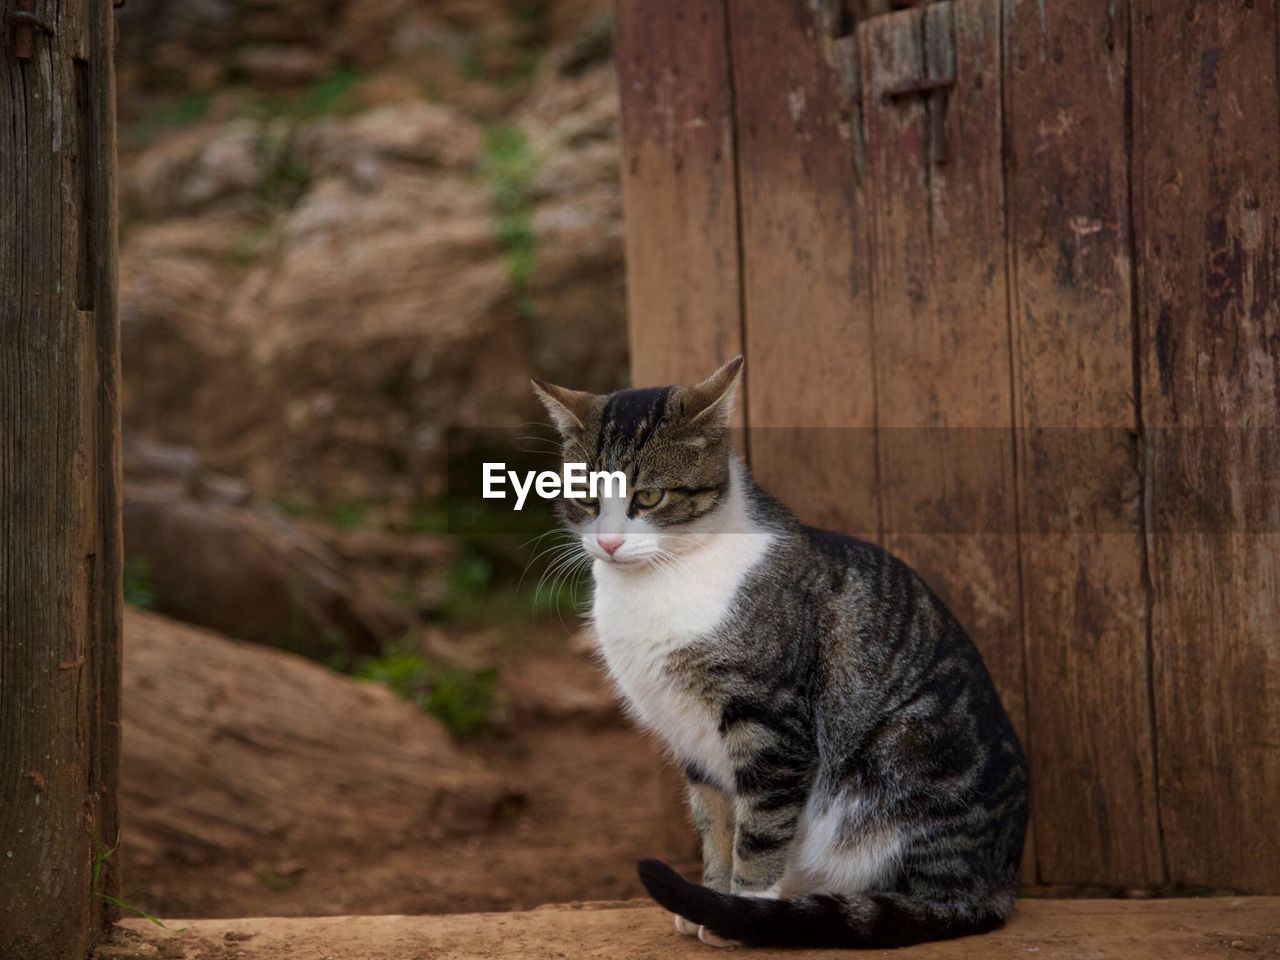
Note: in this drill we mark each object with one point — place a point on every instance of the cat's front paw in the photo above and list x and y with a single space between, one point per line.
714 940
685 928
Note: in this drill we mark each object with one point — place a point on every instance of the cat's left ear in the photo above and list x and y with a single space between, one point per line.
569 409
709 404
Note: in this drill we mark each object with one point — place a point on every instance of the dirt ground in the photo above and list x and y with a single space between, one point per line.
590 797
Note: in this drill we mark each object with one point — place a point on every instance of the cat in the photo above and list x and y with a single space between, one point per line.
852 776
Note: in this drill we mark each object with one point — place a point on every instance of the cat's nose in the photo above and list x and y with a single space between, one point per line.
610 543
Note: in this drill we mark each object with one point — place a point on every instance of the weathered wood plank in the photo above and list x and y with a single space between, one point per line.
1206 929
678 188
806 265
1082 552
60 561
1206 207
941 325
680 204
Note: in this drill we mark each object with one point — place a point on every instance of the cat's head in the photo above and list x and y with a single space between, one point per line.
673 445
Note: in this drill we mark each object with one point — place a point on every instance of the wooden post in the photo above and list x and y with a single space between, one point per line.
60 558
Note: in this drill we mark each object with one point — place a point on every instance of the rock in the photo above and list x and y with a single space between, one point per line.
199 44
236 753
545 691
250 572
146 461
282 65
421 134
317 303
123 946
224 164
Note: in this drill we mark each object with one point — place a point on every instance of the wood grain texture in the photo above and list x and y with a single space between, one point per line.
1206 174
60 561
1084 601
679 189
1206 929
680 204
941 326
806 267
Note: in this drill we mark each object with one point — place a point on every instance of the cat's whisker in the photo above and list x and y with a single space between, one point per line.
567 580
570 542
563 577
568 556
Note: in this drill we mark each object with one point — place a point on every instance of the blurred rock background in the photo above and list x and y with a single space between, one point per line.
350 229
349 226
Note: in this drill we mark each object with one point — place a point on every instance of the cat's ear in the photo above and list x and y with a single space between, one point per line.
568 408
709 404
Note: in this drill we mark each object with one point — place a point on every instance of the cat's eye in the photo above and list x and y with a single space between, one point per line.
587 503
649 497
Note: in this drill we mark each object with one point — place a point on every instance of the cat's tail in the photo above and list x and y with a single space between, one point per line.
870 920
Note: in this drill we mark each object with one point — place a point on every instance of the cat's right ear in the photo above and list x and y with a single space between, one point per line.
710 403
568 408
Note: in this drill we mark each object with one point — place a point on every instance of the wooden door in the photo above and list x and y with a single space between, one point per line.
1083 558
941 340
1206 167
806 280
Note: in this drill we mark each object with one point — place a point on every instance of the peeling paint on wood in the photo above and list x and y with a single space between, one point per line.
1097 263
941 330
1207 224
679 187
680 202
1082 551
807 281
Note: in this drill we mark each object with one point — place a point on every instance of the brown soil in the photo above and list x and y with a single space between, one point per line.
587 796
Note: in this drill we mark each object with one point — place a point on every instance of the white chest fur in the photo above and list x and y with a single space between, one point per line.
643 616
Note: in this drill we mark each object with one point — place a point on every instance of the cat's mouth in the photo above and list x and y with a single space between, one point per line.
616 561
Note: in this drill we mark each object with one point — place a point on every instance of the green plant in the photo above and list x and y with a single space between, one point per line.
461 699
331 93
172 114
100 859
349 516
278 882
285 178
138 591
508 166
328 95
249 245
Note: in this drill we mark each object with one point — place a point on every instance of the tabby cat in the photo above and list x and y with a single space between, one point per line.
852 776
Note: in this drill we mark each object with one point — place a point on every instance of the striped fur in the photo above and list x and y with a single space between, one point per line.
852 774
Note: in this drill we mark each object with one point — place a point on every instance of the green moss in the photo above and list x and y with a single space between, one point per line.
285 177
508 166
330 94
249 246
138 589
276 881
463 700
349 516
168 115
